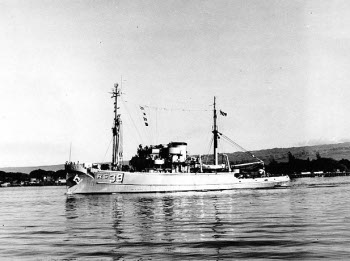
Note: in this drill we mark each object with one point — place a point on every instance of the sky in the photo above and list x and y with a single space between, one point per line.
279 69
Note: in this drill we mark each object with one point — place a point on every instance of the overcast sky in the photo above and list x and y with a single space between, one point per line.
279 69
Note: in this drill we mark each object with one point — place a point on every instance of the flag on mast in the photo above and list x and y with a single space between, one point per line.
223 113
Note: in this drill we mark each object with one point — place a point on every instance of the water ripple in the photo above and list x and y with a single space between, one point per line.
307 221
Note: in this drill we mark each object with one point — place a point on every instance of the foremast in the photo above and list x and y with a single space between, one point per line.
216 134
117 154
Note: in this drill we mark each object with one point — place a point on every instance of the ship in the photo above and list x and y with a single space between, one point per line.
165 168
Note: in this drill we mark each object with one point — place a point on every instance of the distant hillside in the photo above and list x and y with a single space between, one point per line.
336 151
27 170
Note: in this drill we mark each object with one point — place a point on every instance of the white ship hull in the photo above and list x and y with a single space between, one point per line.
143 182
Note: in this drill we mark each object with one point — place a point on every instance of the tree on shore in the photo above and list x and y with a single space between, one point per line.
40 175
13 177
295 165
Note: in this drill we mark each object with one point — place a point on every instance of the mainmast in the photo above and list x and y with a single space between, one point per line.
215 132
117 155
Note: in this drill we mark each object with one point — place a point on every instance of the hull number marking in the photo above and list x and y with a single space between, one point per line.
111 177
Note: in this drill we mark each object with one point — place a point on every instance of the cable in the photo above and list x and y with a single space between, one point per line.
239 146
210 145
179 109
170 109
129 115
104 157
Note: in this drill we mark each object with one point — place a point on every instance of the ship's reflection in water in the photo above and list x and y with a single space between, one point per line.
165 226
177 226
199 226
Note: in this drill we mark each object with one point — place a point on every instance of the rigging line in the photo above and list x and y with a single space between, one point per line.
156 126
231 141
142 123
244 150
104 157
210 145
171 109
147 129
154 130
70 151
121 151
209 136
132 120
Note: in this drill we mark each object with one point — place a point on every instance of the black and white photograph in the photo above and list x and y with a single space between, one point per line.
174 130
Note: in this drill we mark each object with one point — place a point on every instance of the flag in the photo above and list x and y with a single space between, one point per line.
144 115
223 113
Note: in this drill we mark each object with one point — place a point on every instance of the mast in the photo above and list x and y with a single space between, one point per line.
215 132
117 154
70 151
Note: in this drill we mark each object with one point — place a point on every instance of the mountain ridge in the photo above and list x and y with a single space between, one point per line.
29 169
335 151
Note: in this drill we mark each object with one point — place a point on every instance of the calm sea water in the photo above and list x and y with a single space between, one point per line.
309 220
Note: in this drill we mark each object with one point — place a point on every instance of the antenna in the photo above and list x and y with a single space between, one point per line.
70 151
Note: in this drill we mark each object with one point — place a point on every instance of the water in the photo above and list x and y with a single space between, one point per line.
308 221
